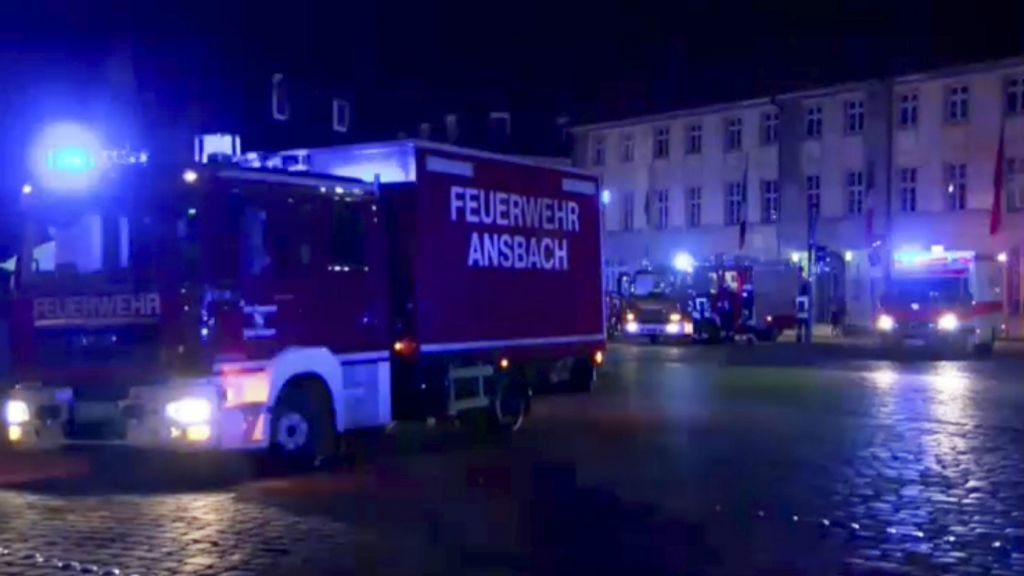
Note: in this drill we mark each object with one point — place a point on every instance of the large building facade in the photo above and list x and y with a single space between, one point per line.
894 162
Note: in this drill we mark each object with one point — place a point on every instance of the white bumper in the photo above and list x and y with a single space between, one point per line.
238 418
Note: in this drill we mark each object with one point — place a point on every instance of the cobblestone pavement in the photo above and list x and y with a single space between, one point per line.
764 460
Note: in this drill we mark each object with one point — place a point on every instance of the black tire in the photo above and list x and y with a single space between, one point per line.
581 375
510 405
985 349
302 433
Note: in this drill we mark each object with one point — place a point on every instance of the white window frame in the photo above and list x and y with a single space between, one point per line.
693 206
769 127
958 104
812 185
628 214
694 138
661 143
907 179
854 112
734 203
907 109
598 150
956 186
1013 184
770 205
813 121
734 134
661 209
628 147
856 192
1014 94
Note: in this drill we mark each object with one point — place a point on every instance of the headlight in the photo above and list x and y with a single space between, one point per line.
885 323
17 412
632 327
630 317
673 328
948 322
189 410
675 317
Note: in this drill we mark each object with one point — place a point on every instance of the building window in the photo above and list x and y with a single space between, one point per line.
769 127
661 142
769 201
855 192
854 116
628 206
1015 95
694 138
693 207
813 185
658 218
734 201
733 134
956 187
908 189
812 121
597 152
628 149
908 110
957 103
1013 184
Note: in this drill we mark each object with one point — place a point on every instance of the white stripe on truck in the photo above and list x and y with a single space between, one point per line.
448 166
579 186
476 345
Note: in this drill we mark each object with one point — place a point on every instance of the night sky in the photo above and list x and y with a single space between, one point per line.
154 73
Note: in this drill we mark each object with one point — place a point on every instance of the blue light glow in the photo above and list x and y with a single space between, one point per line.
70 160
606 196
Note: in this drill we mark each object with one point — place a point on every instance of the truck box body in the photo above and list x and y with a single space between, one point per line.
488 252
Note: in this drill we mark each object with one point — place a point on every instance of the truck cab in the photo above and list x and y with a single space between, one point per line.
655 306
939 298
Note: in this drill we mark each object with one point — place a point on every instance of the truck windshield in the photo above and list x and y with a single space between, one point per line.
936 290
92 243
651 284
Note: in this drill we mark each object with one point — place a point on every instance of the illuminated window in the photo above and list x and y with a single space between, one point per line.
769 201
694 138
854 116
812 121
908 189
733 134
734 202
628 148
812 183
908 110
956 187
769 127
855 192
693 197
661 142
958 103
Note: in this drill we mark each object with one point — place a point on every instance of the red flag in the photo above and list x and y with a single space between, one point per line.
997 187
743 204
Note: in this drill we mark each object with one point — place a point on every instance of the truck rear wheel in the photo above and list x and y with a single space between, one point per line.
581 375
301 431
510 404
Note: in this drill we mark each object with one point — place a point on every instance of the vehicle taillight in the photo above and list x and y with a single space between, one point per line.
598 357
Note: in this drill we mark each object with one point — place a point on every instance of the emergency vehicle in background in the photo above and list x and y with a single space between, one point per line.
744 299
949 298
654 304
228 307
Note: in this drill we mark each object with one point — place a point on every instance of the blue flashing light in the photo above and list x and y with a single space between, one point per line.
683 262
70 160
606 196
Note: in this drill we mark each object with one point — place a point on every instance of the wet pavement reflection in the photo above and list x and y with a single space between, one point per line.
770 459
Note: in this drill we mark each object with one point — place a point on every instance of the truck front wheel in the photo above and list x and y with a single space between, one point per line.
301 430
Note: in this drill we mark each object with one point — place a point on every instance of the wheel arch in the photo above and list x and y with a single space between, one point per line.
299 365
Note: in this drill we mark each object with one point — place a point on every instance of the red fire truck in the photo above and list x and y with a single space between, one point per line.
942 297
225 307
755 299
